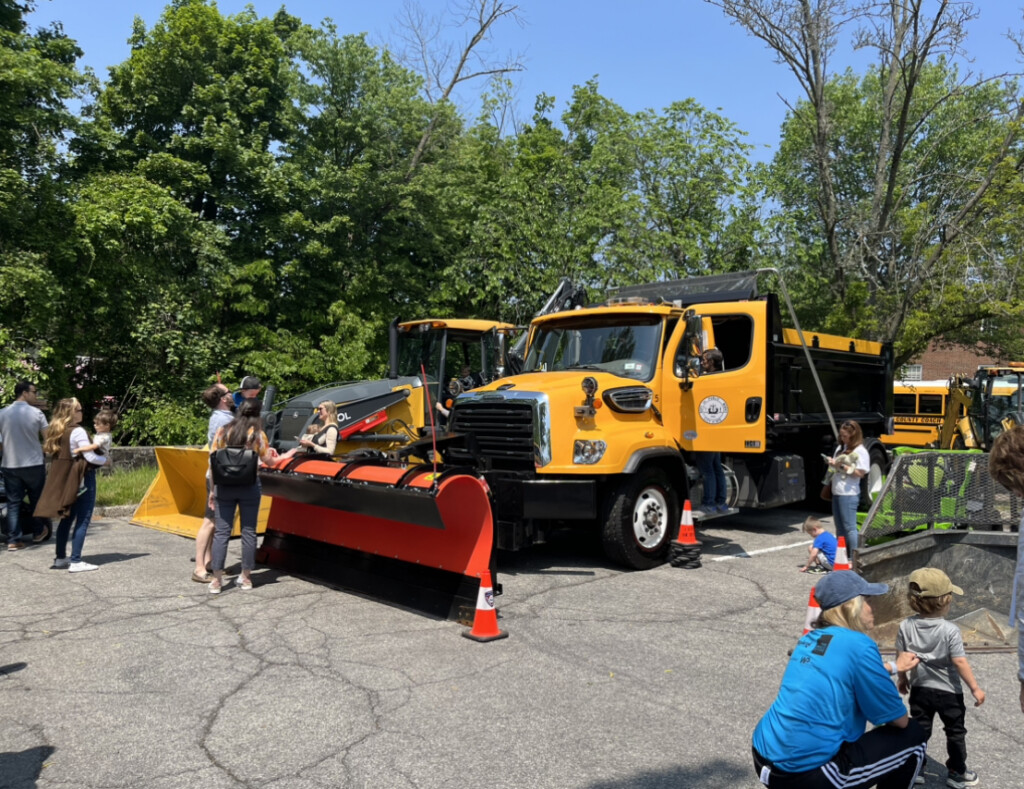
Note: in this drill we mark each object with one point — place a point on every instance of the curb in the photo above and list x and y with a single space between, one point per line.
119 511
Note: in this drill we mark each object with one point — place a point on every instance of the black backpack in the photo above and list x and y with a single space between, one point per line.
234 466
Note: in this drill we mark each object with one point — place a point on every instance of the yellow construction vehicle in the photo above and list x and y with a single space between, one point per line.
982 406
601 427
430 362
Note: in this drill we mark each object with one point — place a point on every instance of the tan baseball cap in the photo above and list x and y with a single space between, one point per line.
932 582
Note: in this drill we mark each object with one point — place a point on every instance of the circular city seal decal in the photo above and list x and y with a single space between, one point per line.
713 410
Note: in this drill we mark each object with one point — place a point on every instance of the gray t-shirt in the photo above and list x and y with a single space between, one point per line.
21 426
937 642
218 419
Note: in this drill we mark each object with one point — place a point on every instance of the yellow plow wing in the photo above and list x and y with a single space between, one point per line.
176 500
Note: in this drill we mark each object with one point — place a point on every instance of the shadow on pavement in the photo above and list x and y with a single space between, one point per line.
21 769
110 558
718 774
10 668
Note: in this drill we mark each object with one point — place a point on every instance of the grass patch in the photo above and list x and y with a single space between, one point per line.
123 487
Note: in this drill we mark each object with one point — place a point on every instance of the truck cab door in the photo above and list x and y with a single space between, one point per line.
722 411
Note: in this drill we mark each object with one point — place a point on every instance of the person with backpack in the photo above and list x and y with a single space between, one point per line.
236 487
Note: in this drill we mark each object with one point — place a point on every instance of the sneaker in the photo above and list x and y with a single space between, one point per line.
60 564
723 508
43 536
817 570
214 587
81 567
960 780
15 546
243 584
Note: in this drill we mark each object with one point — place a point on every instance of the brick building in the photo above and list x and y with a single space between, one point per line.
942 361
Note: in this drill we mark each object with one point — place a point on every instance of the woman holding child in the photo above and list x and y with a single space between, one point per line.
70 491
848 464
836 682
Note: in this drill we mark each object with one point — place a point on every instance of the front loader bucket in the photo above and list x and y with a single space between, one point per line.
401 534
176 500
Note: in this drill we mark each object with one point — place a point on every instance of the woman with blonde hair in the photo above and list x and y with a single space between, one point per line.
73 463
836 682
322 438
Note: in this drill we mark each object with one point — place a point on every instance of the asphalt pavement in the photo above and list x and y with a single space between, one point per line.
134 676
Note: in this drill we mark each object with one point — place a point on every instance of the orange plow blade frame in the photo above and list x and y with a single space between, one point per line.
402 534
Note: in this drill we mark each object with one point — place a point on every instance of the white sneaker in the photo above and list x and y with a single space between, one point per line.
81 567
60 564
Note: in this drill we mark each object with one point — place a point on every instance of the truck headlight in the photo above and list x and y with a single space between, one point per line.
586 453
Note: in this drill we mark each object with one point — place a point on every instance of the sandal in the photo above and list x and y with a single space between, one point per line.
202 578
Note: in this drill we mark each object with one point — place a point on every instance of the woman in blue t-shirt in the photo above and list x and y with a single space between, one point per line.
836 682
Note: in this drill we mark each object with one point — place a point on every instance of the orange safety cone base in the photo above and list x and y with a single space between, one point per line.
485 622
813 611
687 535
842 560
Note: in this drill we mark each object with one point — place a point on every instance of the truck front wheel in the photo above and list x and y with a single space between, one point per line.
643 513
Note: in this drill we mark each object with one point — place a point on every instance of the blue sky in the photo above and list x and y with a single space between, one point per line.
644 53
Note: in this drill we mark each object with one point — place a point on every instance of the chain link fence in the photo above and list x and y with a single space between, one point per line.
940 490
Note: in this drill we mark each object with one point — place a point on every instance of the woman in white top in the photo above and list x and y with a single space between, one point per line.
849 463
66 427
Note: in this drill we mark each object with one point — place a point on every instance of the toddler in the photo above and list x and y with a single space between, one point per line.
821 556
934 684
103 423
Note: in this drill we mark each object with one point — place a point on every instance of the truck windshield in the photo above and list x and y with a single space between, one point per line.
416 348
628 347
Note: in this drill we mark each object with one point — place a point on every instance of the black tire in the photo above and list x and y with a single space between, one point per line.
877 467
642 518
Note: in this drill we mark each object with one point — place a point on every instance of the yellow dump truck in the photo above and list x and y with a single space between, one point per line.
603 424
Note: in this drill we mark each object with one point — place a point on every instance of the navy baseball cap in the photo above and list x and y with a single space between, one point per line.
841 585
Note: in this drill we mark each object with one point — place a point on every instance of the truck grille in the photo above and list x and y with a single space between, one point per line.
503 431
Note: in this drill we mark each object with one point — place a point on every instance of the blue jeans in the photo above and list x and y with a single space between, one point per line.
710 465
844 513
247 500
81 516
18 482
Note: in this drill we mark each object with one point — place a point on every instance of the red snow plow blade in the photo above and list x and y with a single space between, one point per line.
402 534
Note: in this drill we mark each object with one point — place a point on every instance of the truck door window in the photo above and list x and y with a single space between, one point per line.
734 337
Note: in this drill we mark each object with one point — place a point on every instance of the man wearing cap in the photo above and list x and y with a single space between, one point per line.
835 683
250 387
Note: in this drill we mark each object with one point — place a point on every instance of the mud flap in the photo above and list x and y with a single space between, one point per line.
404 535
176 500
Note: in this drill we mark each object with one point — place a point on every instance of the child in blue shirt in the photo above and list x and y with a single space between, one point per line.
821 556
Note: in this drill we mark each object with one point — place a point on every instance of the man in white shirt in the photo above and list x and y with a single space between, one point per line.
22 428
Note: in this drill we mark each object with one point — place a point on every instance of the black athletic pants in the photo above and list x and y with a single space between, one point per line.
886 757
925 703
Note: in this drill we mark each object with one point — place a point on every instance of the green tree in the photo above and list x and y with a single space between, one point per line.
892 183
37 77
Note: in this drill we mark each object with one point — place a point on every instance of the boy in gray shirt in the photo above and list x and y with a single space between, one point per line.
934 684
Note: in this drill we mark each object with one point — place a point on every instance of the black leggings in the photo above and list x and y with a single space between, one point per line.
886 756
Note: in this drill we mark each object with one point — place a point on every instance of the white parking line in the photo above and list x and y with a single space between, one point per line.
746 555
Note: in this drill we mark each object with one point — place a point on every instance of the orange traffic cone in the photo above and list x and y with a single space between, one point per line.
485 621
813 609
687 536
842 561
